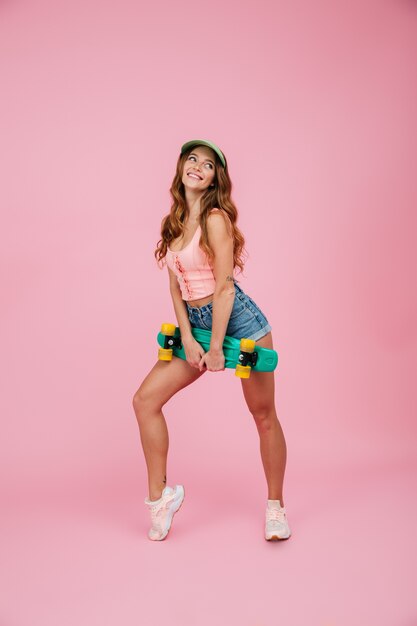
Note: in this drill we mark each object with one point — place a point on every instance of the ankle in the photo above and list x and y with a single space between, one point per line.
156 488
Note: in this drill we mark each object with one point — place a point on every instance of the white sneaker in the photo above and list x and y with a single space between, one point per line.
276 524
163 510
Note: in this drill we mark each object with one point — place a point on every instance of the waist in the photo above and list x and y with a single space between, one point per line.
201 301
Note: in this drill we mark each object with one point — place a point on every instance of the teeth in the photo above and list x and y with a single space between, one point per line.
194 176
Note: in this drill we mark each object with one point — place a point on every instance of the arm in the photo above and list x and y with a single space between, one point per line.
221 241
193 350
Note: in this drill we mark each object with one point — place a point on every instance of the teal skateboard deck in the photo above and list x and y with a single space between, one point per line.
260 359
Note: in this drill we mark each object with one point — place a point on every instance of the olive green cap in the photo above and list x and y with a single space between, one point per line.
209 144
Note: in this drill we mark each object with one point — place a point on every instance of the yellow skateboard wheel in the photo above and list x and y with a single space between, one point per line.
165 354
168 329
247 345
242 371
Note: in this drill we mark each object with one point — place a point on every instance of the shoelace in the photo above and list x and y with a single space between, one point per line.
155 514
276 515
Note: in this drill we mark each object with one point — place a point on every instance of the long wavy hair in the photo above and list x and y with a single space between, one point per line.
218 196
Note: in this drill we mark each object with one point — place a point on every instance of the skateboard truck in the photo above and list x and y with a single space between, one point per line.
248 358
170 342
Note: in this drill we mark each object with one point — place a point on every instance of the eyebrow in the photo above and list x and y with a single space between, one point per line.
197 156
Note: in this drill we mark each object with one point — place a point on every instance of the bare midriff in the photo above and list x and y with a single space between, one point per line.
201 302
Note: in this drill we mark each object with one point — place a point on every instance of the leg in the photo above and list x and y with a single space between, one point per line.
162 382
259 395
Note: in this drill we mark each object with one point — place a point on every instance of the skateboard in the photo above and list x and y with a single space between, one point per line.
243 355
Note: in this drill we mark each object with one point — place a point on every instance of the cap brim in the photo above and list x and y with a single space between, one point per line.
209 144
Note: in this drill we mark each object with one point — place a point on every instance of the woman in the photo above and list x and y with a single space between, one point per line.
202 247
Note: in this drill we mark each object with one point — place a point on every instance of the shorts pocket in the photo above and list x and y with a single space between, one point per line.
256 311
238 308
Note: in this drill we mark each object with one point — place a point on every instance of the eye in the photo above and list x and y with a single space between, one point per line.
210 165
191 157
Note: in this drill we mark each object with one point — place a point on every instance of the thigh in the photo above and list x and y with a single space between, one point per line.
259 388
165 379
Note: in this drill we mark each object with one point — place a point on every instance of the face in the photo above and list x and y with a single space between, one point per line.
199 168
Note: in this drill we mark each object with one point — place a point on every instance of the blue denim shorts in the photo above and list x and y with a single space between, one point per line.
246 318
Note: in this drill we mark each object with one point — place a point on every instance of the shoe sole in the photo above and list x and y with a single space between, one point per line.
275 538
175 511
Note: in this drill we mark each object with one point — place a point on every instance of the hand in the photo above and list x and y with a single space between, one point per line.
213 360
193 352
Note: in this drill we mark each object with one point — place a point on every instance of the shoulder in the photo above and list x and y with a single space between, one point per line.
218 224
215 211
217 218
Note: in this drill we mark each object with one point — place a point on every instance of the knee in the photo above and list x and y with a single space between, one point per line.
137 402
143 401
264 417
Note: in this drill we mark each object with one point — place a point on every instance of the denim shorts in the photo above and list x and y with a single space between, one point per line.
246 319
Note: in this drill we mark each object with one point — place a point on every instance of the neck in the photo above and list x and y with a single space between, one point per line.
192 199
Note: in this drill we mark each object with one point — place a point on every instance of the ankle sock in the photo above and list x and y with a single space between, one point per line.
275 502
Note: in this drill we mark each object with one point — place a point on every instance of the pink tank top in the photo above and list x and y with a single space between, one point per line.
192 269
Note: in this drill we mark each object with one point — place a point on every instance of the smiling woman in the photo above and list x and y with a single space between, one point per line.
202 247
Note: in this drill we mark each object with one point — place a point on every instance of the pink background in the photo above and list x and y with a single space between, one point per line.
314 105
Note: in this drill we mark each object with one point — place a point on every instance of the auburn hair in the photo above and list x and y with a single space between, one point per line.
217 197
